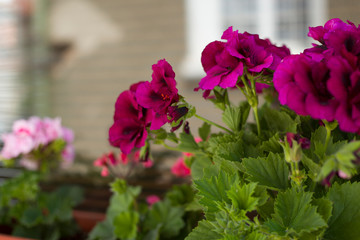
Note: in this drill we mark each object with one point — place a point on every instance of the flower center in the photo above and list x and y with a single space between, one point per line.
164 97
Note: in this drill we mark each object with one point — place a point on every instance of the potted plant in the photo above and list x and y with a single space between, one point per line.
39 146
131 215
291 173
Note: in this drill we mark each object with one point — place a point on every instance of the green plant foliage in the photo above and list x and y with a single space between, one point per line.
168 217
294 214
204 131
215 189
125 225
188 143
37 214
344 222
278 121
204 231
236 117
242 198
271 172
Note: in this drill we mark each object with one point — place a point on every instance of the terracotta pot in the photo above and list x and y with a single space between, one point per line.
7 237
87 220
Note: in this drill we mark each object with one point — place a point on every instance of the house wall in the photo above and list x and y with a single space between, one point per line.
112 44
345 10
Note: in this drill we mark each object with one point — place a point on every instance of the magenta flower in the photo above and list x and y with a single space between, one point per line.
301 84
334 25
130 121
224 62
221 68
344 85
304 142
158 94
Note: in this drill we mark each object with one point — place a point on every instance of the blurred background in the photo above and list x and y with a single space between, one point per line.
72 58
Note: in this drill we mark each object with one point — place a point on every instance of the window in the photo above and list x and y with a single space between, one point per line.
282 21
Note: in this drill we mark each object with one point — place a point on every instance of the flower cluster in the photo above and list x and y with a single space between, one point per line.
146 105
108 162
281 162
35 141
225 62
324 81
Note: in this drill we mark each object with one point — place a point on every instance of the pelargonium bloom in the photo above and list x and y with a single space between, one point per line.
158 94
106 161
344 85
304 142
36 134
15 145
336 38
320 33
224 62
221 68
152 199
180 169
301 84
130 121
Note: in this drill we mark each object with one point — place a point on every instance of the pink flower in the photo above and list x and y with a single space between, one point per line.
14 145
152 199
105 161
68 155
180 169
52 129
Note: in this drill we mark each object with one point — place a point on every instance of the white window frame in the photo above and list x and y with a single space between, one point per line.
204 24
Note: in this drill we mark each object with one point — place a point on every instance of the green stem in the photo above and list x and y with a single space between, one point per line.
255 109
212 123
328 135
170 147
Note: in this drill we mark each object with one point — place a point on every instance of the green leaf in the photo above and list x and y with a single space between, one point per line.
314 168
125 225
200 164
279 121
271 172
180 194
242 198
172 137
187 143
294 214
345 220
103 231
122 199
215 189
324 207
33 232
235 117
167 216
204 231
153 234
204 131
272 145
232 151
31 217
74 194
342 160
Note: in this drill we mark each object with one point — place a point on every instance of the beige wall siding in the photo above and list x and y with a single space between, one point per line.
345 10
87 83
